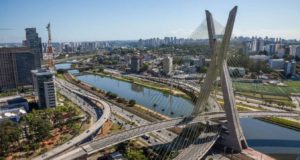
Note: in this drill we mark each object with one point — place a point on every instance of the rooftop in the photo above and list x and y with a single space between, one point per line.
15 50
5 99
41 72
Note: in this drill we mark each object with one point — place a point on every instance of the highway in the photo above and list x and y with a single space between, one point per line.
73 96
110 140
165 135
161 136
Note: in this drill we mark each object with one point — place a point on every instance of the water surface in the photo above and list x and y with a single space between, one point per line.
163 103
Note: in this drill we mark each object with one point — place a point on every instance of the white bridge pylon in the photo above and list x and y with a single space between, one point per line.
218 67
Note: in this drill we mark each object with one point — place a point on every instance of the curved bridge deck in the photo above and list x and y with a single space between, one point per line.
110 140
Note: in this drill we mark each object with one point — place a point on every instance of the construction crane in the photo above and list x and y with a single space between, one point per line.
50 50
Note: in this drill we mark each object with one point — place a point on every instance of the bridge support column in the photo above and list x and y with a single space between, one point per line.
235 138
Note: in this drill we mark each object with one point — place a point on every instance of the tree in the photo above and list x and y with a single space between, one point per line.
10 134
122 147
144 67
154 105
131 103
178 61
36 127
78 81
75 128
121 100
111 95
135 154
100 69
203 70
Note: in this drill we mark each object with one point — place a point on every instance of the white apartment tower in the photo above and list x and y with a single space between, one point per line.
168 65
44 88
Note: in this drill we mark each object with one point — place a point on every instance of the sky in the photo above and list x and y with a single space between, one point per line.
96 20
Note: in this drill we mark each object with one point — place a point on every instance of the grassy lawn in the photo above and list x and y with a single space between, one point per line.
269 93
292 87
60 76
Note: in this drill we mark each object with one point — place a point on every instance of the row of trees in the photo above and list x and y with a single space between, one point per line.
111 95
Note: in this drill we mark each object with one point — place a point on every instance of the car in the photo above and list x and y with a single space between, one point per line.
145 137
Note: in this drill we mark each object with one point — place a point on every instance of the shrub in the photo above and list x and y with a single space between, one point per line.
121 100
131 103
111 95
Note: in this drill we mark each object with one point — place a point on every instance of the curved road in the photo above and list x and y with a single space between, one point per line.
73 94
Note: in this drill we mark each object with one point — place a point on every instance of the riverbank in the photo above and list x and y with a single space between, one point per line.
145 83
283 123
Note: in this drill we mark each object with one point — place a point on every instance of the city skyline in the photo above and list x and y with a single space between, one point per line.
113 20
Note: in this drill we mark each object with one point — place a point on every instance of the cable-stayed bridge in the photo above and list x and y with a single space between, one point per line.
192 141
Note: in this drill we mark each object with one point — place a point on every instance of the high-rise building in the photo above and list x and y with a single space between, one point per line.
257 45
44 88
278 46
290 68
167 65
34 42
254 45
270 48
136 63
276 64
261 44
15 66
294 50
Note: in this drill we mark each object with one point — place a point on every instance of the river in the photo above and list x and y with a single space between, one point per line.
163 103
